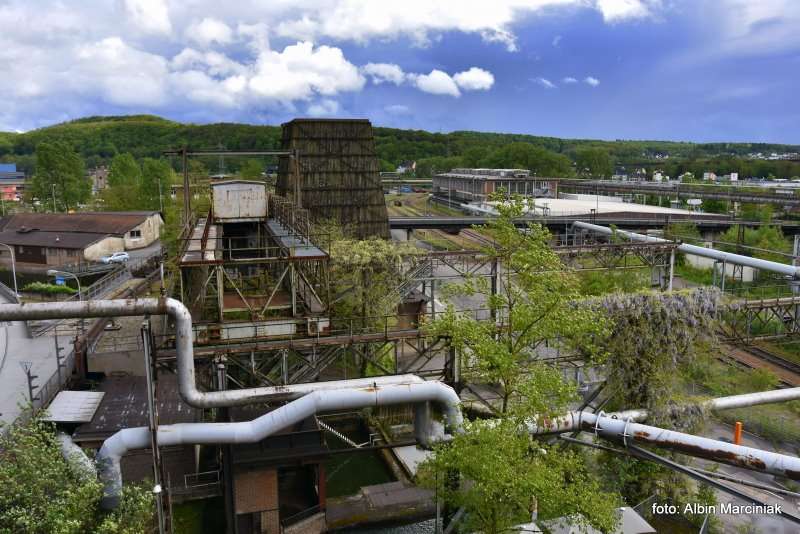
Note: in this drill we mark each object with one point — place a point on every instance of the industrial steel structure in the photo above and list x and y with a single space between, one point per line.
336 175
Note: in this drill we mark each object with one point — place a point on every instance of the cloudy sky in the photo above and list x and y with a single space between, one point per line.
701 70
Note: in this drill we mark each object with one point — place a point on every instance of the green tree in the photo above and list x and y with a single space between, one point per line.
40 492
252 169
766 237
534 302
157 177
504 471
124 171
594 162
505 475
539 161
59 174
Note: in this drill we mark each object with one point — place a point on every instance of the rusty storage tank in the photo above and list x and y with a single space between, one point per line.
339 173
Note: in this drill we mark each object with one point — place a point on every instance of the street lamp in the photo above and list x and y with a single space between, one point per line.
54 272
13 268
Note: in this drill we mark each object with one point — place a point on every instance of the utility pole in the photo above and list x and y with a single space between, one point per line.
26 368
152 415
54 197
187 206
160 197
59 359
227 455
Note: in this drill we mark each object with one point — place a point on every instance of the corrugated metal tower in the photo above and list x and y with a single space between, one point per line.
339 173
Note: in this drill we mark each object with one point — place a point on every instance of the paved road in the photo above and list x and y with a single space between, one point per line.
17 346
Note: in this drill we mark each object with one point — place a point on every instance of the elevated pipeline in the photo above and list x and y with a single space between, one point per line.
718 255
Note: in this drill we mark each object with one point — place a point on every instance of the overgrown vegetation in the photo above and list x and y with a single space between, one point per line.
49 289
43 494
652 335
506 473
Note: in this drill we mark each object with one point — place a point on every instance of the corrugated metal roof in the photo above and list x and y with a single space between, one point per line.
125 405
36 238
74 406
108 222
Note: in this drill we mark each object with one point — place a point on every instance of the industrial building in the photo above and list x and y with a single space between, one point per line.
476 185
12 182
335 174
44 240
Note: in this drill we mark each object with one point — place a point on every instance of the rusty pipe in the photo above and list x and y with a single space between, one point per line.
628 432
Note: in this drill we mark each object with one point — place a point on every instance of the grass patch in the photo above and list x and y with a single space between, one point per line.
775 422
199 517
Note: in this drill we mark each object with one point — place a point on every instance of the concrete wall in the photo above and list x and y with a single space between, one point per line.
104 247
61 256
315 524
149 230
123 361
699 262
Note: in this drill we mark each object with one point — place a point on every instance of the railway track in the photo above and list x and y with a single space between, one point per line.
478 238
788 372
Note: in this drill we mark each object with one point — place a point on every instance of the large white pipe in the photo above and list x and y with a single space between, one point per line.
727 257
572 421
110 454
629 432
184 349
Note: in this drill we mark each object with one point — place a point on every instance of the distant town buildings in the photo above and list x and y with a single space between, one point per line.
12 182
476 185
710 176
45 240
774 155
406 167
99 178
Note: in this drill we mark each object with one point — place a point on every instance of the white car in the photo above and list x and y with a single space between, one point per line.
117 257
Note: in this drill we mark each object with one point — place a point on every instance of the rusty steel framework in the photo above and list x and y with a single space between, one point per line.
749 320
394 344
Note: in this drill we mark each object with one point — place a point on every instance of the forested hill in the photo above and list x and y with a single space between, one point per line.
98 139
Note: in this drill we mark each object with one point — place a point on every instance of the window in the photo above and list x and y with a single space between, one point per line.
135 234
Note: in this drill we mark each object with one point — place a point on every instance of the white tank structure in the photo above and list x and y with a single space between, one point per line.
239 201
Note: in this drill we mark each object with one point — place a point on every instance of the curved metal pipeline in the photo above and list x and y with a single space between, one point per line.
108 459
184 349
736 259
80 464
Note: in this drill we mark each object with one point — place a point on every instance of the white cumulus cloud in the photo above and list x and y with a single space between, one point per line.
209 31
301 71
591 80
149 15
437 82
544 82
474 79
384 73
125 75
621 10
569 79
323 108
397 109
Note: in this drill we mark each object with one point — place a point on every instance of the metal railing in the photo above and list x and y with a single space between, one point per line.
8 294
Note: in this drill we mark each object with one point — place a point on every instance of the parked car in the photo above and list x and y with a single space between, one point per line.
117 257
